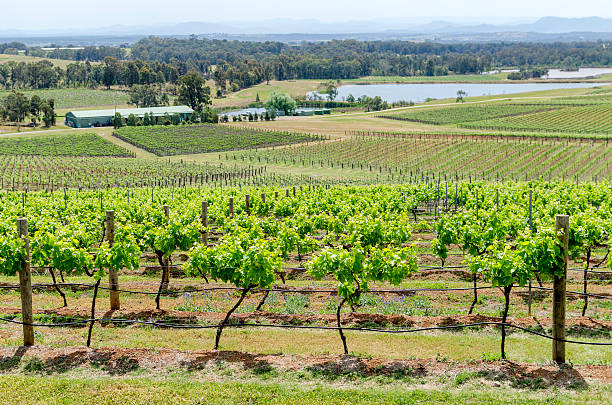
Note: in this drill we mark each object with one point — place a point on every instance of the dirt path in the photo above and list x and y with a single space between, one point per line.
107 134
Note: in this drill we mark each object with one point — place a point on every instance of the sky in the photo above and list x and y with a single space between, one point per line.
63 14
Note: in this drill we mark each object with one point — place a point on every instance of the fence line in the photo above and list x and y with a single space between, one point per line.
357 329
291 290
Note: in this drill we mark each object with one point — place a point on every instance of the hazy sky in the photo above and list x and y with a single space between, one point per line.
61 14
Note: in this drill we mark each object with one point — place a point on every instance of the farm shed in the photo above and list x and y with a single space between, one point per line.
96 118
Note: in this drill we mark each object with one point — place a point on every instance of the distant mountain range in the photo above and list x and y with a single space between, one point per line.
287 30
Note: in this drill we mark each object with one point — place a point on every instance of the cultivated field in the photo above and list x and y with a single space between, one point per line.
182 140
592 119
386 260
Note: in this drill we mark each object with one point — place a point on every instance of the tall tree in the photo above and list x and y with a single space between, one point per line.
281 102
17 107
48 111
193 92
35 108
332 91
111 71
144 96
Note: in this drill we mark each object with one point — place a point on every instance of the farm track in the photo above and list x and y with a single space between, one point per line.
139 152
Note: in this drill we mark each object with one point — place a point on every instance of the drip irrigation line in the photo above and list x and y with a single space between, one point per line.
223 288
290 290
605 297
350 328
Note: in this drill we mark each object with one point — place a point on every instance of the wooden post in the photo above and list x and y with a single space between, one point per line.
205 222
25 285
113 276
558 349
231 207
167 211
263 198
248 204
276 196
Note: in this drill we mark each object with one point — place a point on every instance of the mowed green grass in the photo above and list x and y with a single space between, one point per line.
142 390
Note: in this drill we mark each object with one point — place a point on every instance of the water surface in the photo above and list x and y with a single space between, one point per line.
418 92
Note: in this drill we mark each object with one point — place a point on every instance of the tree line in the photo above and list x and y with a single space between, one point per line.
17 107
234 65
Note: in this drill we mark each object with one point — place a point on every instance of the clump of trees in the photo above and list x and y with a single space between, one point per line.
281 102
525 74
17 107
207 115
145 95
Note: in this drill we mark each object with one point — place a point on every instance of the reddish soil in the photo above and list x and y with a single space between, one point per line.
117 361
349 319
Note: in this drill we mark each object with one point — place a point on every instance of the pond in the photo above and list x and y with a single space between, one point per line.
418 92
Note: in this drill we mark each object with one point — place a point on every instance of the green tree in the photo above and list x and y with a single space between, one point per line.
118 120
332 91
144 96
35 108
132 120
460 95
16 107
164 100
111 71
193 92
48 113
281 102
146 120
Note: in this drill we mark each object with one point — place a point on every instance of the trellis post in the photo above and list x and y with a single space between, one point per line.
113 275
25 285
558 346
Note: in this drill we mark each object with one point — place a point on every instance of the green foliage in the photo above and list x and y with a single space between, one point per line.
123 254
118 120
12 253
201 138
354 270
281 102
579 120
587 230
144 96
62 253
469 113
72 144
193 92
239 260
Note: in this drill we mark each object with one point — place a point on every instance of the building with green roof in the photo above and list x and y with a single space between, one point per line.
99 118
